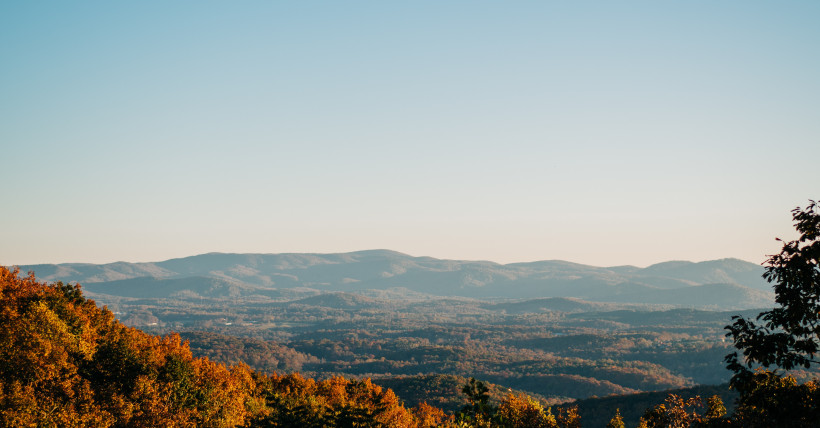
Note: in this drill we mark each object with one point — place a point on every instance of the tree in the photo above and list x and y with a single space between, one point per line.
617 421
714 408
784 338
789 335
478 396
521 411
429 416
675 413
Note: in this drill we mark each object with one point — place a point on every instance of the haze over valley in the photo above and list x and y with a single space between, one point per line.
554 330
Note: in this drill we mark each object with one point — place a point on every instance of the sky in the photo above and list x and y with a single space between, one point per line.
598 132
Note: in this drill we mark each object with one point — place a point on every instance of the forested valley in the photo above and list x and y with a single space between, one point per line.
86 367
143 353
577 351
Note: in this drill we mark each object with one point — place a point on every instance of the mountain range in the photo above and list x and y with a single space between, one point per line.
716 284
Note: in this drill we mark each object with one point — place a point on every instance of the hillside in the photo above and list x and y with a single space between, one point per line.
63 353
66 362
632 330
597 412
717 284
153 288
444 391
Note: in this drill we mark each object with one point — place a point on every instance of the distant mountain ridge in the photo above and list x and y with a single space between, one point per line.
725 283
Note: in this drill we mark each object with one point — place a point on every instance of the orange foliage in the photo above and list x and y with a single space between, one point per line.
522 412
429 416
65 362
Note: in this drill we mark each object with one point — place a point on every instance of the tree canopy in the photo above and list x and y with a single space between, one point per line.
784 338
787 336
66 362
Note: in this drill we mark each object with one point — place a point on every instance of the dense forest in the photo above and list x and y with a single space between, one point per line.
67 362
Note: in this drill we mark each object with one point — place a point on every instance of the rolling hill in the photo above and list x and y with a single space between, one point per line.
717 284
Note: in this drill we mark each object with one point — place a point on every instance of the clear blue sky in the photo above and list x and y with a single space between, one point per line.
600 132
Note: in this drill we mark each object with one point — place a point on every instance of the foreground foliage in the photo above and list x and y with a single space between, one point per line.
65 362
784 338
514 411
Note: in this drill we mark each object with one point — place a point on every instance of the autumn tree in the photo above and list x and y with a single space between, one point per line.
336 402
66 362
617 420
430 416
521 411
46 336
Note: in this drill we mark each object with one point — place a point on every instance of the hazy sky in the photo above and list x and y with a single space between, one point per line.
605 133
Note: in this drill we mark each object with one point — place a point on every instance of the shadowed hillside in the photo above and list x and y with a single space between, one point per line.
717 284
